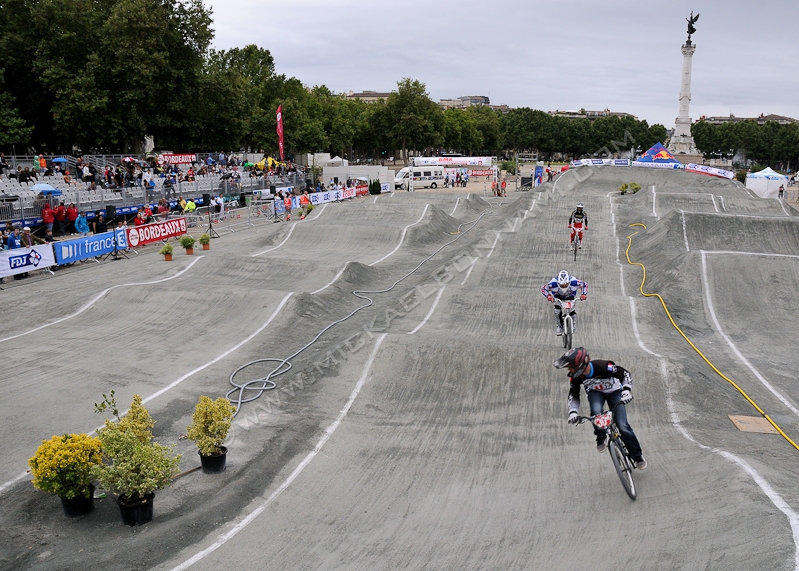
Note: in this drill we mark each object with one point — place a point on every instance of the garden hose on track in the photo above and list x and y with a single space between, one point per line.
694 347
263 384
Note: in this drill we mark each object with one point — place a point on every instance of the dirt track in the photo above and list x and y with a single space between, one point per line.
454 452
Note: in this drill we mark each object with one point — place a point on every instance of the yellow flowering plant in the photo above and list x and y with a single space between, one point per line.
210 424
63 465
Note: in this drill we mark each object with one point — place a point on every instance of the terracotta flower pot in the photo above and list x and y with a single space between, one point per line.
167 257
189 251
206 246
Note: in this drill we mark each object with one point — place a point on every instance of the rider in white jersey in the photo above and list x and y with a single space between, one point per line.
564 286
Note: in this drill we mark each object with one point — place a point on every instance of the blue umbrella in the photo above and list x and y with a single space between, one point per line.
43 186
60 160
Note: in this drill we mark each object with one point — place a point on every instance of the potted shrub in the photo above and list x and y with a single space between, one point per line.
63 466
623 188
187 242
209 429
134 468
166 251
205 240
635 187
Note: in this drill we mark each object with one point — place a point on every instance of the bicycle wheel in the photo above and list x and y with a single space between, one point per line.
623 467
567 332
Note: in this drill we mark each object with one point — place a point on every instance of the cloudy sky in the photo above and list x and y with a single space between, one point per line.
545 54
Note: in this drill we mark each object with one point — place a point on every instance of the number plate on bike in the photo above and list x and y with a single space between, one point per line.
603 420
568 304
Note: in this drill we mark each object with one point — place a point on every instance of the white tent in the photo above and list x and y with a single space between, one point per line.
766 183
337 162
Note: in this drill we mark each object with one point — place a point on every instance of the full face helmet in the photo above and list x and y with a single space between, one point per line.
576 360
564 281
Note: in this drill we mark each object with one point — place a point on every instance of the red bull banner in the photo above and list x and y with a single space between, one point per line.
279 131
148 233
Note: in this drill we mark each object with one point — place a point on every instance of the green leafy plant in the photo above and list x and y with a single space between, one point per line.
63 465
166 249
134 469
210 424
623 188
187 242
133 466
204 239
635 187
741 176
509 166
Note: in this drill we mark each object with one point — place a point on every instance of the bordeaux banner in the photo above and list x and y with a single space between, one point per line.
172 159
154 232
21 260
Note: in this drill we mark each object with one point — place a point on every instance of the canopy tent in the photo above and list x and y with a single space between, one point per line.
60 160
766 183
658 157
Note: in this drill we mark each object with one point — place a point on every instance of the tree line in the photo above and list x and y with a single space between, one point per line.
769 144
101 75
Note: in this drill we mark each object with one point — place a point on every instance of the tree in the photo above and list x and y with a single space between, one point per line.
12 127
417 122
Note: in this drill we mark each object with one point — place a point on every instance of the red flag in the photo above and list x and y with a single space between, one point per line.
280 131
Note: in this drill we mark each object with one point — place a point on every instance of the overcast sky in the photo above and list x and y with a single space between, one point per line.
624 56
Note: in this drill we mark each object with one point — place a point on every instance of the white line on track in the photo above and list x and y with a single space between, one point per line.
293 226
291 231
744 360
773 496
338 275
783 207
713 198
429 313
654 199
99 296
402 236
456 207
684 231
721 198
223 355
375 202
491 251
471 267
297 471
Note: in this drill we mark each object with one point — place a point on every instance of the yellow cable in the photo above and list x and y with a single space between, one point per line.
694 347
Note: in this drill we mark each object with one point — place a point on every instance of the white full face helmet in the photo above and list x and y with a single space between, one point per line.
564 280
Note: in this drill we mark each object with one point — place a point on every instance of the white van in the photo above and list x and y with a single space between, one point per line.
423 177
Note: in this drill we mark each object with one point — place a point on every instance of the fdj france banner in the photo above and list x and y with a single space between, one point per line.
68 251
154 232
21 260
279 131
703 169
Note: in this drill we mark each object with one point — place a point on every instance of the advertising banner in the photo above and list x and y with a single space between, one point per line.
170 159
481 172
601 162
539 176
350 192
385 187
657 165
453 161
712 171
21 260
361 190
68 251
154 232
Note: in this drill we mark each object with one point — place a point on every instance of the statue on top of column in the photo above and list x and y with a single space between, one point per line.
691 30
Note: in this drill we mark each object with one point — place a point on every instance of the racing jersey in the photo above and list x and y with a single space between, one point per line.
579 218
602 376
551 288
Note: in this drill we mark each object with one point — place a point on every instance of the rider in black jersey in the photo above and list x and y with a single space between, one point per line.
604 381
578 222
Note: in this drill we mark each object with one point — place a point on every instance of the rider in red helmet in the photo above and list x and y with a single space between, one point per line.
604 382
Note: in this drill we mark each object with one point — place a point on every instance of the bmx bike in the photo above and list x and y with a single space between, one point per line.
567 311
622 462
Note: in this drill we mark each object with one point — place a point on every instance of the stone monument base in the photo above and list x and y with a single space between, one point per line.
686 158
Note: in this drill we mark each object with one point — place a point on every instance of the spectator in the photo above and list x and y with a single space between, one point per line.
67 178
87 174
48 217
61 218
81 224
7 231
42 163
99 225
3 165
28 239
14 242
163 206
72 215
140 219
190 206
305 201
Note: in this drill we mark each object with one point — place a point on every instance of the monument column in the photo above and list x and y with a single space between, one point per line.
681 144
